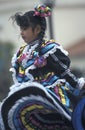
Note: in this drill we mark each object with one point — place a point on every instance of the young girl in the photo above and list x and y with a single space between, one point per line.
43 61
40 60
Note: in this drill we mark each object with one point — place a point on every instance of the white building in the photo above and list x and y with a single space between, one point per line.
68 20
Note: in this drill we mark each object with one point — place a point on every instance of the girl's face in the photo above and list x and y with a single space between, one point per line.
28 34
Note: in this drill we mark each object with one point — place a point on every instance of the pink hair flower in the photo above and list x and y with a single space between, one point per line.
42 11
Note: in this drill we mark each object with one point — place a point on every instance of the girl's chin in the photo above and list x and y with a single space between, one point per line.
25 41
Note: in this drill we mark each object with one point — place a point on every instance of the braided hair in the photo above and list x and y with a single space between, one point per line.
34 18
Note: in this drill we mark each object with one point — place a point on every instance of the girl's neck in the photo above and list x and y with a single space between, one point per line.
33 42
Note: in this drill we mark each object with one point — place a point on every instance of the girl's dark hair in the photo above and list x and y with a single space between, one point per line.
28 19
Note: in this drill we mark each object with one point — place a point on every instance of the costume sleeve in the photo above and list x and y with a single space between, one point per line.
59 62
60 65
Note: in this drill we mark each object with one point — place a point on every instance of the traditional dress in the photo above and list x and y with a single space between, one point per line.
39 98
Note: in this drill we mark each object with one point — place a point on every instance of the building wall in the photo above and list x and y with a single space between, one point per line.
69 25
68 20
8 8
78 63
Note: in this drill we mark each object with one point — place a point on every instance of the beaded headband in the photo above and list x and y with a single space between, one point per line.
42 11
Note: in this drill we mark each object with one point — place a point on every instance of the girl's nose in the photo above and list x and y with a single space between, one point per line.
21 31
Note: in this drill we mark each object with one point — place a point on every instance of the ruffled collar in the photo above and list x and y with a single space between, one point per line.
27 53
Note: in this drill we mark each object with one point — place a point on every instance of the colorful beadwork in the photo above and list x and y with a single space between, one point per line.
42 11
40 62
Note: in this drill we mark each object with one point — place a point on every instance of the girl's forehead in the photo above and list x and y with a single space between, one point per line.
25 28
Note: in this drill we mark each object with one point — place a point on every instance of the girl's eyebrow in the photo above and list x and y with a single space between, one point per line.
23 28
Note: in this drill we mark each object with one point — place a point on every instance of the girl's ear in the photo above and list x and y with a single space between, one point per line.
37 29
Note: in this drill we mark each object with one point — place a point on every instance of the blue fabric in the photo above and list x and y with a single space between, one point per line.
48 47
79 116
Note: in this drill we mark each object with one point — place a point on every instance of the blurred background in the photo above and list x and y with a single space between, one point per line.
66 25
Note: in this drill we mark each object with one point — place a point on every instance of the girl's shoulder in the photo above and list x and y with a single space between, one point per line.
21 49
49 45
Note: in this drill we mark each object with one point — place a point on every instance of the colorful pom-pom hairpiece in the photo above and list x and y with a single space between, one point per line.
42 11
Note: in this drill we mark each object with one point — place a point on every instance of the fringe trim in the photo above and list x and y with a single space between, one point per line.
81 83
2 127
13 70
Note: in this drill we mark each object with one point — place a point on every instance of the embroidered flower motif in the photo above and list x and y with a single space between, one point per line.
35 54
40 62
22 57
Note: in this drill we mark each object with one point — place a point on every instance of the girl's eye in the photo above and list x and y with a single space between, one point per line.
23 28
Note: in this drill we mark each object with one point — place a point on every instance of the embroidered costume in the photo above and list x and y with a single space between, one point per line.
40 98
40 63
51 61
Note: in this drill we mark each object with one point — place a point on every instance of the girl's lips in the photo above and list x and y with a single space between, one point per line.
23 37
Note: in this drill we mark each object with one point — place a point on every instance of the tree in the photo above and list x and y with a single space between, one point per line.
6 49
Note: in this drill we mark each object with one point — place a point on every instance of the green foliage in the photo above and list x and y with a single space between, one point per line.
6 49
